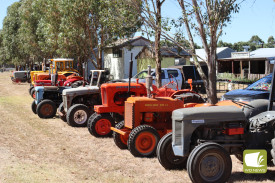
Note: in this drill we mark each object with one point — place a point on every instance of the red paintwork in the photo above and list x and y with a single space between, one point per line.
115 94
61 81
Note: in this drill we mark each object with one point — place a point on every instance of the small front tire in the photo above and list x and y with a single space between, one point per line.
78 115
46 109
209 162
166 155
34 106
61 110
143 141
100 125
120 140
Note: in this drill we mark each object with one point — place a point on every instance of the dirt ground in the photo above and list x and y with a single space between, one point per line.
48 150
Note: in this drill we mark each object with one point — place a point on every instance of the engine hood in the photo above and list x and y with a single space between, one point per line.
81 90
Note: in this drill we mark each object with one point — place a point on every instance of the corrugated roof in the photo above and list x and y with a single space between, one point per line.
263 53
220 53
122 42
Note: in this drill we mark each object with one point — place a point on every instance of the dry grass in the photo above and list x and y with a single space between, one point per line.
38 150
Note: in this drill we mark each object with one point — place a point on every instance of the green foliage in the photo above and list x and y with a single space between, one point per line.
34 30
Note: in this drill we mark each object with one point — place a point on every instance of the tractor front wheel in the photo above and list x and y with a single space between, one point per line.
209 162
34 106
33 93
143 141
100 125
120 140
30 89
166 155
61 109
78 115
46 109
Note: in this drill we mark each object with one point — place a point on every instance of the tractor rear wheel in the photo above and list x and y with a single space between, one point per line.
61 109
33 93
78 115
209 162
166 155
143 141
34 106
100 125
120 140
46 109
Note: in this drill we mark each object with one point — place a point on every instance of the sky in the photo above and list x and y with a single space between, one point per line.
256 17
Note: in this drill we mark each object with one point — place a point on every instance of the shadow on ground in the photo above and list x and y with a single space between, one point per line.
240 176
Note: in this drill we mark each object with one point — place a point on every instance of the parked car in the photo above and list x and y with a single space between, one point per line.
180 74
257 90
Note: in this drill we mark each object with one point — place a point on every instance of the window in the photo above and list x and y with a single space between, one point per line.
141 75
117 53
174 73
162 76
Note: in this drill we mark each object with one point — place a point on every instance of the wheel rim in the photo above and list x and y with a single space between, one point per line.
211 167
145 142
46 110
123 138
103 126
33 95
80 117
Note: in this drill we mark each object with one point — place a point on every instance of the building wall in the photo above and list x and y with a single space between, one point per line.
115 65
127 57
143 63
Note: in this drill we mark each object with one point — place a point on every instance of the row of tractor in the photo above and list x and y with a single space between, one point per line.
176 125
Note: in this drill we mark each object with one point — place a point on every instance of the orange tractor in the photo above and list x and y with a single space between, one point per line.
113 96
112 109
147 119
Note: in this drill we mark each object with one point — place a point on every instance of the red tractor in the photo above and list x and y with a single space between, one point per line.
112 109
68 79
147 119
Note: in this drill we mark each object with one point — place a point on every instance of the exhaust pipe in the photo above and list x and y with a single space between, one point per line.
130 73
149 81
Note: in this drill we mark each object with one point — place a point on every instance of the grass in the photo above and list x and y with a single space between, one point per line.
48 150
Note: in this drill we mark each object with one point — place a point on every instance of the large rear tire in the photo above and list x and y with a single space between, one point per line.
143 141
100 125
46 109
61 110
78 115
166 155
120 140
209 162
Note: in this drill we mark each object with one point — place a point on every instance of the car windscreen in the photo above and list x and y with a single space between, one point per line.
262 84
141 75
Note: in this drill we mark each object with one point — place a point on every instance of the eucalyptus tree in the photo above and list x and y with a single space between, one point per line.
87 26
205 19
11 41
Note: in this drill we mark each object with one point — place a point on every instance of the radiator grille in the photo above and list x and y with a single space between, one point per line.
129 115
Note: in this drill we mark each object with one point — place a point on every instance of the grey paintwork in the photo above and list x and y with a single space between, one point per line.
186 120
69 94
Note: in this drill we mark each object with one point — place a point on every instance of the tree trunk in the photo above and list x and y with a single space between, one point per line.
212 87
157 44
